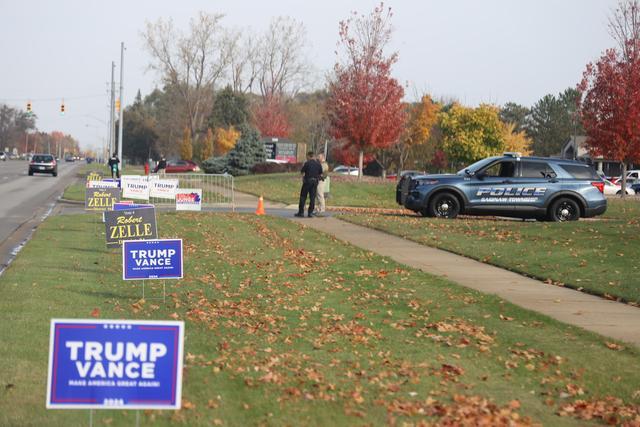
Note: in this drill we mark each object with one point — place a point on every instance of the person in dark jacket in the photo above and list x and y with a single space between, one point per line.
311 171
161 166
114 165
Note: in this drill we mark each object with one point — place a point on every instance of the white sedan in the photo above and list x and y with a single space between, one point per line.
611 189
346 170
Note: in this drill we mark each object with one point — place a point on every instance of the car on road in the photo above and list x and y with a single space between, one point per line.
508 185
181 166
43 163
611 189
346 170
3 156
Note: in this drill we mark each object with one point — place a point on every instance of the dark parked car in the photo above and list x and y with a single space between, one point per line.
43 163
181 166
508 185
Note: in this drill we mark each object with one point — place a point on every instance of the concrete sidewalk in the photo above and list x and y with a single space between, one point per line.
608 318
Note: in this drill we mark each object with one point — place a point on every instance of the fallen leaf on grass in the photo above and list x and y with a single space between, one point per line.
95 312
614 346
188 405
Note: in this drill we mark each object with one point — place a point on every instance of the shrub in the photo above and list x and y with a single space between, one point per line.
269 167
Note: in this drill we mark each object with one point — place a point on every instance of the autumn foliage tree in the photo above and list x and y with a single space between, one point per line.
422 117
516 141
365 103
225 139
610 107
186 146
470 134
270 117
206 150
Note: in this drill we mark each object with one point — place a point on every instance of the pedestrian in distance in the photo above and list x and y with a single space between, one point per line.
114 165
161 166
323 185
311 172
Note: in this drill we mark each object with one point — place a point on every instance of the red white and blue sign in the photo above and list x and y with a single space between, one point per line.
152 259
125 364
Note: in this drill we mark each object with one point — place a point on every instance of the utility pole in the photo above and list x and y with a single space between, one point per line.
112 123
120 121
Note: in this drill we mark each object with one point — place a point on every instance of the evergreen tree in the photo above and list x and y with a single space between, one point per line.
552 122
229 109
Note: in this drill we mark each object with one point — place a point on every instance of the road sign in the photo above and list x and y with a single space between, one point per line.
188 199
130 224
109 364
152 259
100 199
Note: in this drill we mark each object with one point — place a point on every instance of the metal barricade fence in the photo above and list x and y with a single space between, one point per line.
217 189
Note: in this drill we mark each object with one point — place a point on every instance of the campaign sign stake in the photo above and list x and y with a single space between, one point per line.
115 364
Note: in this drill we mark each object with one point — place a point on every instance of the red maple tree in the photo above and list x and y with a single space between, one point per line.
347 155
365 103
270 117
610 109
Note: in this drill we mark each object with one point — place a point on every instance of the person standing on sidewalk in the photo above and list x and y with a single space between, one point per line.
323 184
311 170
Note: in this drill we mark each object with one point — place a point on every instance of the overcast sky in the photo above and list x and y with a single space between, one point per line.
471 50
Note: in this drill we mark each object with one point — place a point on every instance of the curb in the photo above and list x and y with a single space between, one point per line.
70 202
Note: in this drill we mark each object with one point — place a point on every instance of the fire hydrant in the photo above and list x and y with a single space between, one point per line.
146 168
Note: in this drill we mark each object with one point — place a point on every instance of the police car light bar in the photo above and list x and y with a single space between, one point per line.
512 154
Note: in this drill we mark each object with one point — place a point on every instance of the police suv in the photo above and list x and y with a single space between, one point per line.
508 185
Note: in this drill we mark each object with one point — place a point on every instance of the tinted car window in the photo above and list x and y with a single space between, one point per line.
42 159
501 169
536 170
580 171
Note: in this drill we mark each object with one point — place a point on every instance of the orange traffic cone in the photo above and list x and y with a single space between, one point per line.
260 210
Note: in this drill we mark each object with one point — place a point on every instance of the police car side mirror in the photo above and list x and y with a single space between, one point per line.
469 172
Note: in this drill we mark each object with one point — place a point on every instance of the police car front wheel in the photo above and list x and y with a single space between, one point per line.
564 209
444 205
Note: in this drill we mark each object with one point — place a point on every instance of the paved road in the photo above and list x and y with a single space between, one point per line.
25 200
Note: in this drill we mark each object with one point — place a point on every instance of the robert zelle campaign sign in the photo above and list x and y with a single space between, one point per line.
128 364
130 224
152 259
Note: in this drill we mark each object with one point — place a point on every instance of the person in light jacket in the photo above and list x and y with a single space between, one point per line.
323 185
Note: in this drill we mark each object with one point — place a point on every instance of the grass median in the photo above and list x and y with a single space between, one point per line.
287 325
345 190
598 256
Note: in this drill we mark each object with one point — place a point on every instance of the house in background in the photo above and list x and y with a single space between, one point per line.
576 148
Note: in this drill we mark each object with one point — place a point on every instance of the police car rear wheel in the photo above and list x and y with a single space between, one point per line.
444 205
565 209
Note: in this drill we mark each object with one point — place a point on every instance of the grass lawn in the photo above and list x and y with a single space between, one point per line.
599 256
345 190
284 325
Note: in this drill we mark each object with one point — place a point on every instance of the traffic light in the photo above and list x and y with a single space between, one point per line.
29 107
62 109
117 105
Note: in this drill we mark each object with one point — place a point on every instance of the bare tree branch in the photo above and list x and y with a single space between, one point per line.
624 26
